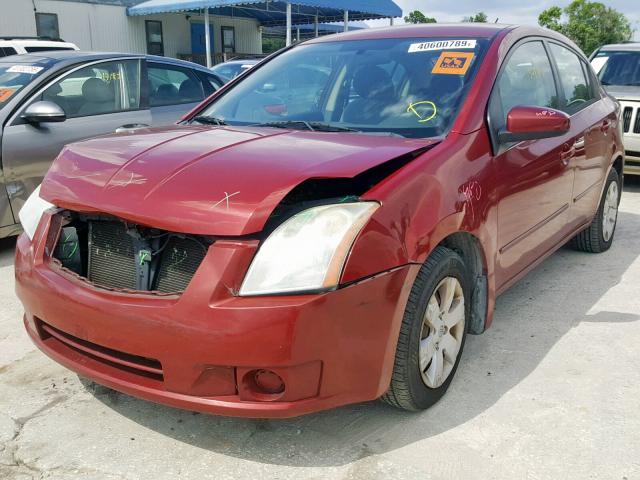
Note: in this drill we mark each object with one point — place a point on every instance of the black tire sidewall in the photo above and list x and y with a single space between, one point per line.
449 266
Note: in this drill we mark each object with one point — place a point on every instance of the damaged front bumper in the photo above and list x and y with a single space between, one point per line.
201 349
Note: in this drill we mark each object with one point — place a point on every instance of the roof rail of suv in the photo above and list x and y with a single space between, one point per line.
13 37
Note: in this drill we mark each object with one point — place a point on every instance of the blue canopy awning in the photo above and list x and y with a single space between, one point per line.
273 12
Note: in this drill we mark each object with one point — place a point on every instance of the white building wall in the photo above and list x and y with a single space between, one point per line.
107 28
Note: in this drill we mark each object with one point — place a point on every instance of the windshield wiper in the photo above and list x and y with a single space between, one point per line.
312 126
285 124
209 120
327 127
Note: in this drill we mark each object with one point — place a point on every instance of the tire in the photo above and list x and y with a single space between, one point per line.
409 389
595 238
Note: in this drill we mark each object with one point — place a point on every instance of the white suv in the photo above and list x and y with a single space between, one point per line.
20 45
618 67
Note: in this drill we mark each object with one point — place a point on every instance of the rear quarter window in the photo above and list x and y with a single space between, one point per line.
45 49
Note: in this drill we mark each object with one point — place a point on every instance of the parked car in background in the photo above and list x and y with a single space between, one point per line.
265 261
231 69
20 45
618 67
50 99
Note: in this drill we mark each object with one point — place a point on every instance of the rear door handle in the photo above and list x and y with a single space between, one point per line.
131 127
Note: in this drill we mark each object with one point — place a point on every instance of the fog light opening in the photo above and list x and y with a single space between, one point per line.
268 382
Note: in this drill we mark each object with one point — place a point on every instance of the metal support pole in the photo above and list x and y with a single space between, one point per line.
298 34
288 24
207 37
346 20
317 26
391 23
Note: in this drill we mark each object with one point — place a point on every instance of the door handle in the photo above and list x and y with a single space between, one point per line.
130 127
579 144
568 150
605 126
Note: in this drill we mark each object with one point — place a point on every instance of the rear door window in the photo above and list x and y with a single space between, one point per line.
170 85
102 88
212 84
573 78
45 49
6 51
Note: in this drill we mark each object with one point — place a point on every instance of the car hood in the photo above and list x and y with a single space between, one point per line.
222 181
621 92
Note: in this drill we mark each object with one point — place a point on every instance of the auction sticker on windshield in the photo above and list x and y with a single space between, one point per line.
453 63
5 94
441 45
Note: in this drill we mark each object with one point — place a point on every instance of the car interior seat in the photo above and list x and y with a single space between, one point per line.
98 97
375 92
165 94
190 91
52 94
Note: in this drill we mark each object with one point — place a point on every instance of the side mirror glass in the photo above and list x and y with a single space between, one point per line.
43 111
531 123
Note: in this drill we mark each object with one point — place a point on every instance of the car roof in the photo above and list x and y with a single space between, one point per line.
630 46
68 57
479 30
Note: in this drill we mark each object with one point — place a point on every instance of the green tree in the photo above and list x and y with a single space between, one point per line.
272 44
479 17
418 17
589 24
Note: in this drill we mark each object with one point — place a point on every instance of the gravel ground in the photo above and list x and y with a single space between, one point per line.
551 391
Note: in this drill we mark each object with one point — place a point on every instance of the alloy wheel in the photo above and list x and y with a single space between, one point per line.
610 211
442 332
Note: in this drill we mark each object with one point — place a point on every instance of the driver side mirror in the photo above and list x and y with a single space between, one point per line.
43 111
532 123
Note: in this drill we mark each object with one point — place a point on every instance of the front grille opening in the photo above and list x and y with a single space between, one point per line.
142 366
626 118
114 254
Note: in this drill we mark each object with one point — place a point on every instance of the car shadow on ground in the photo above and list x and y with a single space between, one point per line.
530 320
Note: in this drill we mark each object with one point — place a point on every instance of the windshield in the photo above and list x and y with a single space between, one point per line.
14 77
617 68
408 87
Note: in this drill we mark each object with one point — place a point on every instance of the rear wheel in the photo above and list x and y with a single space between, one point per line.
432 334
598 237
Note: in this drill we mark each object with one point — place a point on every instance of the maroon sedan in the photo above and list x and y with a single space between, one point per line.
327 228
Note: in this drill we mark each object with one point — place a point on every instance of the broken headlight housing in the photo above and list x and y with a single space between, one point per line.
31 212
307 252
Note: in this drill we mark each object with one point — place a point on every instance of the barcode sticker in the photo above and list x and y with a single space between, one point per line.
441 45
30 69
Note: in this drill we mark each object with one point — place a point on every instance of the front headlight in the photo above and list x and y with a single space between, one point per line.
31 212
307 252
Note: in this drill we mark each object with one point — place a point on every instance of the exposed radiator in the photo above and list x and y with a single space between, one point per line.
134 259
111 256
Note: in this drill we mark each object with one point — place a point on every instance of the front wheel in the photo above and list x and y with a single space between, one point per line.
598 237
432 334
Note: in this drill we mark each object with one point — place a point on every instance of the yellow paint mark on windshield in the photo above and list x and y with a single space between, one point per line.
418 111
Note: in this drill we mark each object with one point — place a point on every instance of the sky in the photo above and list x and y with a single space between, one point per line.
508 11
